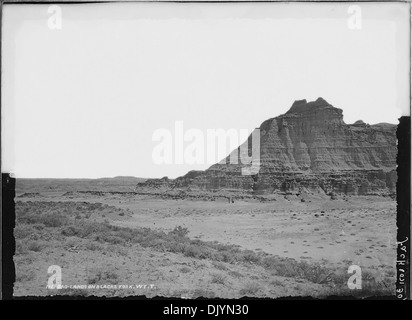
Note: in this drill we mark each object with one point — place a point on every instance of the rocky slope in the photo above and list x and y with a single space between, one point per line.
308 149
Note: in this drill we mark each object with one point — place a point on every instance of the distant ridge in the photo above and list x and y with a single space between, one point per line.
121 178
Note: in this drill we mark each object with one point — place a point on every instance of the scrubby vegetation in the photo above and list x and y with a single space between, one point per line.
250 289
38 222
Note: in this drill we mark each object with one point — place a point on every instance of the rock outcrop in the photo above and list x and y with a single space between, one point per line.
308 149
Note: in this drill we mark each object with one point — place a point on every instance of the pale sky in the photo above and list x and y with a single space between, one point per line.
84 101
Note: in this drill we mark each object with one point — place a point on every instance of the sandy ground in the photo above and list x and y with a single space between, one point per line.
364 233
338 233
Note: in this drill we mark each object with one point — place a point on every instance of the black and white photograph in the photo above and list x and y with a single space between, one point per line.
205 150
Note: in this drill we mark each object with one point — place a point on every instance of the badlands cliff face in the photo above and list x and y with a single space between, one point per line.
309 149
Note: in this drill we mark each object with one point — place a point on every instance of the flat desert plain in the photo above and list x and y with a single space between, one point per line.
112 241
